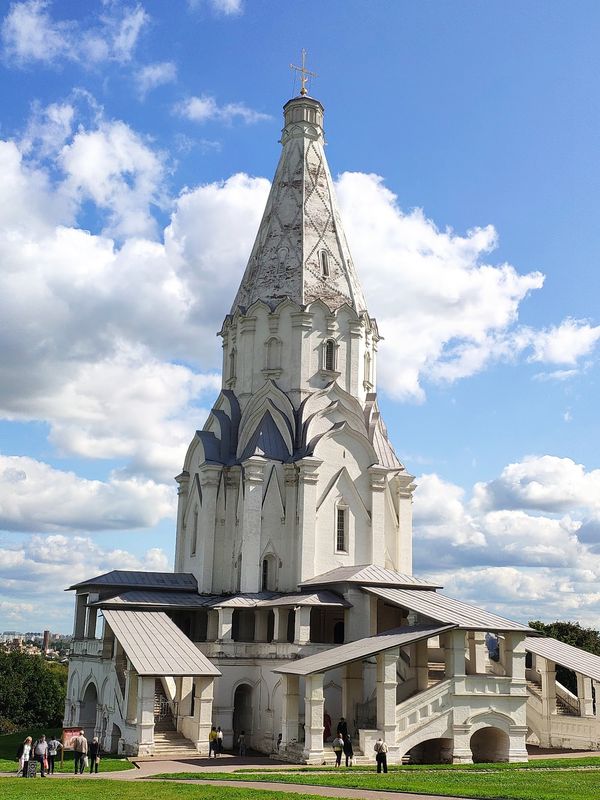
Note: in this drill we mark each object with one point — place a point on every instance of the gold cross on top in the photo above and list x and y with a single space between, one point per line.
304 73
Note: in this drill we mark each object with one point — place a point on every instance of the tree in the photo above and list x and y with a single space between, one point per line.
32 692
574 634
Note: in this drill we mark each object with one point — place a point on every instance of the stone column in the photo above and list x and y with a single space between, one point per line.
209 477
290 477
80 616
584 693
308 478
203 706
386 694
145 715
92 617
254 468
313 719
184 696
302 625
378 485
281 623
225 624
212 625
477 652
352 691
405 487
421 666
261 624
354 365
290 692
597 693
131 694
548 672
454 652
514 655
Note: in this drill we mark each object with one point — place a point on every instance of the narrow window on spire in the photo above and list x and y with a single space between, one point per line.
194 534
330 355
232 364
324 263
341 542
265 575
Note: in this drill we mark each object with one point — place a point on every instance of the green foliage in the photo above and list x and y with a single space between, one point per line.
574 634
32 690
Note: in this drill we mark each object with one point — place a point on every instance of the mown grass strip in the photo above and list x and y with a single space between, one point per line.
10 742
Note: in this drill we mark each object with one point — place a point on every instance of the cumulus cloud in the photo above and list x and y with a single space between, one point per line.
36 497
153 75
31 34
206 108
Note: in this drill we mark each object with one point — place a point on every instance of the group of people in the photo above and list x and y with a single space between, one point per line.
215 742
44 753
342 744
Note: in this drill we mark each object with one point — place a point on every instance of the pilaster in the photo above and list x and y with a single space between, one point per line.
209 477
225 624
387 682
308 478
254 469
183 488
405 487
378 477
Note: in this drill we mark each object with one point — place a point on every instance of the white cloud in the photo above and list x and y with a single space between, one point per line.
206 108
36 497
30 34
153 75
226 7
48 129
564 343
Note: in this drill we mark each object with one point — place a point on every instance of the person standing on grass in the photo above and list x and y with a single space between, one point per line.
23 754
338 749
381 749
212 742
80 748
94 755
348 749
40 753
53 747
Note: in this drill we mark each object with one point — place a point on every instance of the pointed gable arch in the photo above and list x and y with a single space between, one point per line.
272 496
271 401
342 484
346 436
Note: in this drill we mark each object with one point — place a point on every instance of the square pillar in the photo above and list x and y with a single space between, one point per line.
352 691
225 624
386 694
280 626
80 616
203 711
302 625
212 625
308 478
145 715
584 693
597 693
290 686
514 655
209 477
378 480
477 652
547 670
184 691
313 718
421 666
261 624
454 652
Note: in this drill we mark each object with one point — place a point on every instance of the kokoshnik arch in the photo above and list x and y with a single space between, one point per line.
293 600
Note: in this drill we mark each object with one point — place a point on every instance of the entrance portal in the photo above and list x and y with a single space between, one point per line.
88 711
242 714
489 744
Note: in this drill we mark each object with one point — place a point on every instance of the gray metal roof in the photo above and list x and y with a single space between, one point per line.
363 648
321 598
155 599
566 655
368 574
156 646
155 580
445 609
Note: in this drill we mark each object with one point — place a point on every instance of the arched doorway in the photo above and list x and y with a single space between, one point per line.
88 710
114 738
432 751
489 744
242 713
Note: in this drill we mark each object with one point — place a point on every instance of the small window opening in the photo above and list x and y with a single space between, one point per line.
195 533
324 263
232 363
265 575
330 355
340 533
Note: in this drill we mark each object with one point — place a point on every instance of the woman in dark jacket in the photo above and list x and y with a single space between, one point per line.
348 751
94 754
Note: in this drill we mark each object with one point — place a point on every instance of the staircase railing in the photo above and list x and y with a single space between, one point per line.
423 706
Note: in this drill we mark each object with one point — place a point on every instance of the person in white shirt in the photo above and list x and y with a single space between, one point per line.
23 755
53 747
381 749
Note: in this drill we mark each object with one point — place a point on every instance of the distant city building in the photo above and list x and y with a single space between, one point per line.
293 602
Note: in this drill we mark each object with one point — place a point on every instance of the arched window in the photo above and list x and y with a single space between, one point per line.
341 529
324 259
330 355
194 534
232 365
268 578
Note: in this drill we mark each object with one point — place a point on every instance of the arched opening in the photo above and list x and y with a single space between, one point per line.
268 580
242 712
88 710
291 627
242 625
432 751
330 355
114 738
338 632
489 744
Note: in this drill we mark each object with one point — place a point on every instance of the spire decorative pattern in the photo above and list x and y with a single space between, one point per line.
301 251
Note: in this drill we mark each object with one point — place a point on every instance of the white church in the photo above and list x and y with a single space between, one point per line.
293 601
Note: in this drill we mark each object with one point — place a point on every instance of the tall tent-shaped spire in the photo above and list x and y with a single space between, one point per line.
300 250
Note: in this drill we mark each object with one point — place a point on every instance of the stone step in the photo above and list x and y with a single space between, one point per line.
562 709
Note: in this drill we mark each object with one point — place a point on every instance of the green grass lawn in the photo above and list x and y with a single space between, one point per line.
57 789
508 783
10 742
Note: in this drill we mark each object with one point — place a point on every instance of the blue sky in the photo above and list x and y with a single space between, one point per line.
136 145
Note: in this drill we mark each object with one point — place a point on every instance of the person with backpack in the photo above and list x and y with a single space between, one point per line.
23 754
381 750
338 748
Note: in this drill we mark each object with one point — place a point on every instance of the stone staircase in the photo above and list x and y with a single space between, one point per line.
172 744
562 709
